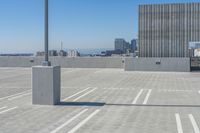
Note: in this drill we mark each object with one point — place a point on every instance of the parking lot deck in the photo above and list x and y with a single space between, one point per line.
103 101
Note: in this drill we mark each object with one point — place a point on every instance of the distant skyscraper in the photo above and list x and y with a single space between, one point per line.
122 45
165 30
133 45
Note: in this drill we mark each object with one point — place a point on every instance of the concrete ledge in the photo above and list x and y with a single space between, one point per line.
158 64
46 85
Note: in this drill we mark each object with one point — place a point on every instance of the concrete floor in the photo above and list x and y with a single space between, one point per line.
103 101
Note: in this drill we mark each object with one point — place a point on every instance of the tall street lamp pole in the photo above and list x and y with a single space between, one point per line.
46 34
46 78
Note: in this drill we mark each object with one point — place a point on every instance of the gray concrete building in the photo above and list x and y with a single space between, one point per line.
165 30
122 45
133 45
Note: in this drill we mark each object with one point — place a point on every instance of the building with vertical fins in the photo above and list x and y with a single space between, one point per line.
165 30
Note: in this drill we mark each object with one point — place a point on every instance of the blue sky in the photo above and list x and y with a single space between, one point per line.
78 23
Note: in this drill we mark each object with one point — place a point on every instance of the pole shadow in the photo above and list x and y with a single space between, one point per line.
100 104
93 104
153 105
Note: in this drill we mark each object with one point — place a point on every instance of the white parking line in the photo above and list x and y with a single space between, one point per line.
147 97
13 76
164 90
194 124
199 92
178 123
83 122
70 71
69 121
3 108
84 95
98 71
13 95
19 96
138 95
4 111
75 94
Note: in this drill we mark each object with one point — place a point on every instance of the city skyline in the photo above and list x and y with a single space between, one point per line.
80 25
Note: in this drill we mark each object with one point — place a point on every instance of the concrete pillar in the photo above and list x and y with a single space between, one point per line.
46 85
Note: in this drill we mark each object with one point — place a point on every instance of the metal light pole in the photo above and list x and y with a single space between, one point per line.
46 34
46 78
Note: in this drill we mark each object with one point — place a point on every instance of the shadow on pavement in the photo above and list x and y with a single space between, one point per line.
99 104
80 104
152 105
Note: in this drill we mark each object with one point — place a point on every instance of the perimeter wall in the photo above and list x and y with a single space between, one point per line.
80 62
158 64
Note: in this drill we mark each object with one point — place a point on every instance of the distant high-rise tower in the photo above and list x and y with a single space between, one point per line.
133 45
165 30
122 45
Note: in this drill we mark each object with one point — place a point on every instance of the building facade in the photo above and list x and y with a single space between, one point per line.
53 53
62 53
133 46
73 53
165 30
121 45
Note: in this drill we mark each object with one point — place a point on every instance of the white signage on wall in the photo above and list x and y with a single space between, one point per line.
194 45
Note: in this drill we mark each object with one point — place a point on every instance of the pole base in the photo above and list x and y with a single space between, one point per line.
46 63
46 85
